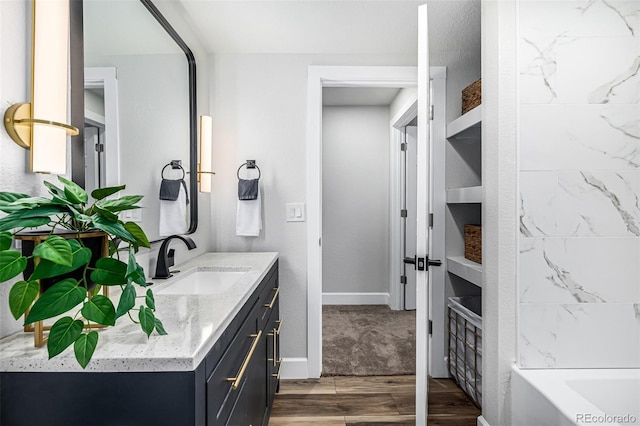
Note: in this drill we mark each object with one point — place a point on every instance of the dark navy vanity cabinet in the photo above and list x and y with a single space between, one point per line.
234 385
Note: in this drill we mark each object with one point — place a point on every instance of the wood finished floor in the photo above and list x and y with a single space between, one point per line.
371 400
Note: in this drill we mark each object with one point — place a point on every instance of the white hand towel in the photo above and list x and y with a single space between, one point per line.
173 215
249 217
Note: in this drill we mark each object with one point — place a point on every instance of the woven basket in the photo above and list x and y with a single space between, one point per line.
473 243
472 96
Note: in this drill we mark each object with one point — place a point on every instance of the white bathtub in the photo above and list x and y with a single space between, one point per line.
566 397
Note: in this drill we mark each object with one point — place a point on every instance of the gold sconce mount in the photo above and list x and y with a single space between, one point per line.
18 123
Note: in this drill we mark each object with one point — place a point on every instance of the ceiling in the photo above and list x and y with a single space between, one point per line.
342 27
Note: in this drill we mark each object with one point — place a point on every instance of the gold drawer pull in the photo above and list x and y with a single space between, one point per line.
277 330
236 380
277 376
275 296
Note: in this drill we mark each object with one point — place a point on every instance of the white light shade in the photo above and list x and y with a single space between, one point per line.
205 153
49 84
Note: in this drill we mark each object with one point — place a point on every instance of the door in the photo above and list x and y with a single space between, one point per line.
410 135
422 224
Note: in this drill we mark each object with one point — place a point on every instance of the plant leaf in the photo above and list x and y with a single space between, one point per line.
48 269
109 272
126 202
10 197
84 347
55 191
57 300
150 300
21 296
147 320
113 228
135 273
11 264
63 333
100 193
55 249
106 213
160 328
12 223
138 234
99 309
5 240
127 300
73 191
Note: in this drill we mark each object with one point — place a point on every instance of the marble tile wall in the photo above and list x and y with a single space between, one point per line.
579 157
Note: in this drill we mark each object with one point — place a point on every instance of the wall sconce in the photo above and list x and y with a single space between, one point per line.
204 166
39 125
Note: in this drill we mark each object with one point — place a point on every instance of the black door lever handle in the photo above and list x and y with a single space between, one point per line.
411 260
434 262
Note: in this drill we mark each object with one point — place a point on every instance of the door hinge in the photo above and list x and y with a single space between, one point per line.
403 279
99 147
403 147
430 220
403 213
430 327
431 112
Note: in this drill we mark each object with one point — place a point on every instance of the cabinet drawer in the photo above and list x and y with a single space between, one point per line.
221 395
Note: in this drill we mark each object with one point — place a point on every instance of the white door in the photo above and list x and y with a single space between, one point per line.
422 222
409 217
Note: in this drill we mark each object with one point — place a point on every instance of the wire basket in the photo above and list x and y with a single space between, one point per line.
465 345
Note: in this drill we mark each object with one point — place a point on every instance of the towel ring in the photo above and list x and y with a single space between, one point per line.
173 167
255 166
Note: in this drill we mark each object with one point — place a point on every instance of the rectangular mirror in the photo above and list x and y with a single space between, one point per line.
139 109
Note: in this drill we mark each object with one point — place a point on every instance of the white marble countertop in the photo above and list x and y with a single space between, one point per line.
194 323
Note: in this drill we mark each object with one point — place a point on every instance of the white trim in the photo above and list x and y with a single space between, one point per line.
294 368
106 78
482 421
318 77
355 299
404 116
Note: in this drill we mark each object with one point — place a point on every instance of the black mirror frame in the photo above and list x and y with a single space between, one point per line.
77 101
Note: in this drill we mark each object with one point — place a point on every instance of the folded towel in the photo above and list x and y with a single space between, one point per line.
249 217
173 214
170 188
247 189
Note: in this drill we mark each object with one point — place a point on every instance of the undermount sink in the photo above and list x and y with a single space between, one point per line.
204 281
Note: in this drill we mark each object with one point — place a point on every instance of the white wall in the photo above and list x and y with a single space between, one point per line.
579 277
355 199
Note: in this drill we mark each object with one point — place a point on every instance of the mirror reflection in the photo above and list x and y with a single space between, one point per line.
136 110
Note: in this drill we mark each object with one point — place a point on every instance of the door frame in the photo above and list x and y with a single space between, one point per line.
319 77
106 78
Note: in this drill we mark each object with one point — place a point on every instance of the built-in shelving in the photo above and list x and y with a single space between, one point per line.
466 269
469 195
467 126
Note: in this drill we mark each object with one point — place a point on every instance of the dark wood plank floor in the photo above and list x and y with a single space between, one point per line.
371 400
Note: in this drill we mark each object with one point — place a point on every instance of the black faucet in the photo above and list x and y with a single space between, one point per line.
166 257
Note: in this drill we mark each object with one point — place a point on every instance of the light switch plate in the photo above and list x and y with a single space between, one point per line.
295 212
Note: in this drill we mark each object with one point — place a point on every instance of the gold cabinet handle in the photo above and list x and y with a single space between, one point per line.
277 330
275 296
277 375
236 380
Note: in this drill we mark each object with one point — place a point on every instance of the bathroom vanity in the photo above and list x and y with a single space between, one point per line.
219 364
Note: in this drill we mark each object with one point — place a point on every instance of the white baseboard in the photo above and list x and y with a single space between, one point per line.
482 421
355 298
294 368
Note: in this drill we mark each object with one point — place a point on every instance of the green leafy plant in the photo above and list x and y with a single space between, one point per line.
68 209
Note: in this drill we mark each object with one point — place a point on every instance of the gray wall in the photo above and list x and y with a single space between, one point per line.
355 199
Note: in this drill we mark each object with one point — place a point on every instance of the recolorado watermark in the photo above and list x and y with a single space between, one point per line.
603 419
